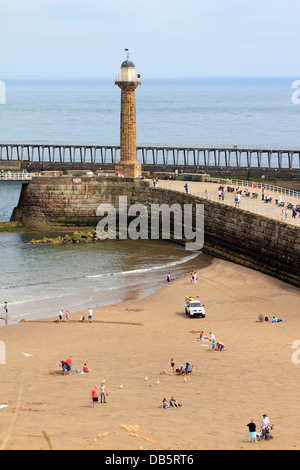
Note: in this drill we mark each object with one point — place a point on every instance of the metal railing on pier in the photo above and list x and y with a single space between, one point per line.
16 176
256 206
193 156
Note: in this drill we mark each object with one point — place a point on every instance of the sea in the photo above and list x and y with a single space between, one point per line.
39 280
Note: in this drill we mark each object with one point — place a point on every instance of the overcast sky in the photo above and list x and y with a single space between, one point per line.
167 38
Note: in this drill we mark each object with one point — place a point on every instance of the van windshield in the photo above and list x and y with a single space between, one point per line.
196 304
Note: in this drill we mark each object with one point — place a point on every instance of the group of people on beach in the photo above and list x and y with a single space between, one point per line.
171 404
67 367
265 428
61 314
95 394
261 318
183 370
215 345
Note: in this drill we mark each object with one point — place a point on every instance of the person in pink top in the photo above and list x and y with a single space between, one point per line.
95 395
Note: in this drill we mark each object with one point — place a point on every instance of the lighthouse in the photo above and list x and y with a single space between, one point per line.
128 81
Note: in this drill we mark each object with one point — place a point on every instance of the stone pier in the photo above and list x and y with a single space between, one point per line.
266 245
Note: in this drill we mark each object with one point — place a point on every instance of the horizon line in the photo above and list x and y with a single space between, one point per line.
211 77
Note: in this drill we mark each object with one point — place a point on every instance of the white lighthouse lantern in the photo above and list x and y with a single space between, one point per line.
128 74
128 71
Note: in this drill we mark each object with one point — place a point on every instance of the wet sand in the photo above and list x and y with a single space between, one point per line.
129 341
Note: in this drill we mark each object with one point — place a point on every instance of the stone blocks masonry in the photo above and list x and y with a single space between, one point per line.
231 233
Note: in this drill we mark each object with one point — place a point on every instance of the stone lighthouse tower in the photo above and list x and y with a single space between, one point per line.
128 81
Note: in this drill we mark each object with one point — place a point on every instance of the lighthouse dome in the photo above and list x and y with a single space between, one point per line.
128 63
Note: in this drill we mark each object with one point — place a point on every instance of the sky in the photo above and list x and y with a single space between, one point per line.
166 38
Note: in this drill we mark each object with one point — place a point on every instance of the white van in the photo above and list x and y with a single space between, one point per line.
194 307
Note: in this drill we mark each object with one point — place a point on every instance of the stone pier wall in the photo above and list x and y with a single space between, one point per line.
231 233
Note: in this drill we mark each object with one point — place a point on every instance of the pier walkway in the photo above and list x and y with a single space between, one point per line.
249 203
228 156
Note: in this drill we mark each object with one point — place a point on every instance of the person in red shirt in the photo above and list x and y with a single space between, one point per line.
95 395
69 364
85 368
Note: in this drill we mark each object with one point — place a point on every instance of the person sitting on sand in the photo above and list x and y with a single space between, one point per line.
165 404
174 403
64 366
181 370
85 368
220 346
276 320
82 318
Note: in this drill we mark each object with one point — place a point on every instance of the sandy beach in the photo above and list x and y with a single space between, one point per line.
127 342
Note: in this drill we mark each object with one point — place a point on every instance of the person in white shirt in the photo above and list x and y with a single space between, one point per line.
90 317
212 337
265 422
102 392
